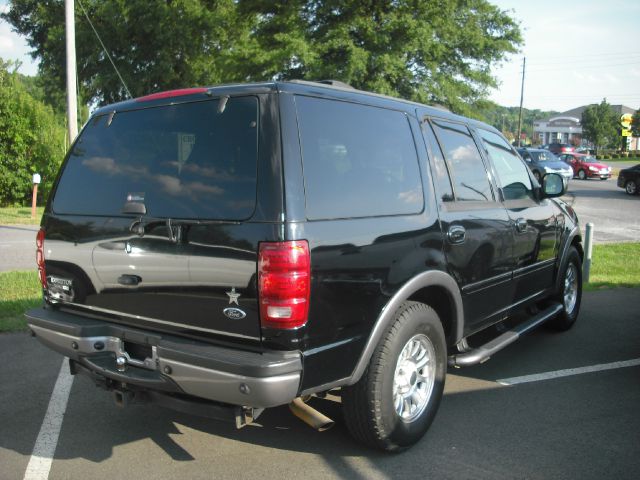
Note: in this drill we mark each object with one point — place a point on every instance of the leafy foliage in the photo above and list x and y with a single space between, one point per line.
505 119
432 51
600 124
32 139
635 124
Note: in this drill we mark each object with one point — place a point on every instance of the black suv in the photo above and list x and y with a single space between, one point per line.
228 249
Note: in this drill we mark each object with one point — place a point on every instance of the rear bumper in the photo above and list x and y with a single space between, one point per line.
157 362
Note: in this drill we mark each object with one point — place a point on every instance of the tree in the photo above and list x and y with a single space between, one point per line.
635 124
432 51
600 124
32 139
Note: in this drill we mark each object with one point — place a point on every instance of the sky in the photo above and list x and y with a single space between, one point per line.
578 52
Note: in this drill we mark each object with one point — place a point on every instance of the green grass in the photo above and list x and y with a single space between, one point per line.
19 216
614 265
19 291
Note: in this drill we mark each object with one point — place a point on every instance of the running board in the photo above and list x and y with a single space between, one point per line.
484 352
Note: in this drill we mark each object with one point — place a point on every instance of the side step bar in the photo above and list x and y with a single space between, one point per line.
484 352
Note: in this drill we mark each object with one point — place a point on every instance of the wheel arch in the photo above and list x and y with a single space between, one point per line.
573 239
435 288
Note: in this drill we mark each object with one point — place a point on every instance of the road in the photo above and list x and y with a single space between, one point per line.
17 247
615 215
583 426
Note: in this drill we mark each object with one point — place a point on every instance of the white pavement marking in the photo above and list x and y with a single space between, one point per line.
568 372
42 456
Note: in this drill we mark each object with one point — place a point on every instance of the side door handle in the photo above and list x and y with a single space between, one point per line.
129 280
456 234
521 225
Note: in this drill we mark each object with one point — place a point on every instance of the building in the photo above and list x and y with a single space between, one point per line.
565 127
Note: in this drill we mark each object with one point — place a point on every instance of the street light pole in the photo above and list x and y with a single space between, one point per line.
72 101
524 63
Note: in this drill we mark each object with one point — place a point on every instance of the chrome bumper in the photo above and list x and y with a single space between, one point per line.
221 374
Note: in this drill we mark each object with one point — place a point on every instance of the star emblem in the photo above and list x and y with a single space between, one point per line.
233 296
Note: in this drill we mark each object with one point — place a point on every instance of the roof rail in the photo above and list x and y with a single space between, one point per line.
332 83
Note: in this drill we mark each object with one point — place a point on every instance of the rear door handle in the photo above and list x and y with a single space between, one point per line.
521 225
456 234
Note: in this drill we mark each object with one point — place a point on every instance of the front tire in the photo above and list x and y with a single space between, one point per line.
582 175
570 292
392 406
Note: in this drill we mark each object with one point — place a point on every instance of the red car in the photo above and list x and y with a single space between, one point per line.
559 148
586 166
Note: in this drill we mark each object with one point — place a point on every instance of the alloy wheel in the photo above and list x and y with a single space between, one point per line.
414 377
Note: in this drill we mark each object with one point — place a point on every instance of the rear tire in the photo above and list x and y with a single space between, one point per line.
631 187
569 293
392 406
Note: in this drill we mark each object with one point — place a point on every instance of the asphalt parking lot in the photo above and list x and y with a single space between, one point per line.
584 425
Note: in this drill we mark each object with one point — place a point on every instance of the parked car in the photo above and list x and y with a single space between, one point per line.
629 179
585 150
542 162
586 166
558 148
228 249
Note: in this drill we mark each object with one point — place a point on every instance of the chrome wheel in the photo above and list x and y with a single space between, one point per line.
582 175
631 188
414 377
570 288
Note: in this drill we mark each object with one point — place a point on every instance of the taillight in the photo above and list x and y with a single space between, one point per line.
40 258
284 281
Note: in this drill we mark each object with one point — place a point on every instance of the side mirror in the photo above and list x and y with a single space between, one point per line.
552 185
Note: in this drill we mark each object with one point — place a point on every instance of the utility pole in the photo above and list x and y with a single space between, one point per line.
72 101
524 63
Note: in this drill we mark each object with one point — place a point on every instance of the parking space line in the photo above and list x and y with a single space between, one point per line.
537 377
42 456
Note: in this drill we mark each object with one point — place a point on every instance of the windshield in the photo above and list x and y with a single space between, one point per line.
590 160
544 156
190 160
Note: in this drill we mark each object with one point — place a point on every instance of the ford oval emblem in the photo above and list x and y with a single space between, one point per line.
234 313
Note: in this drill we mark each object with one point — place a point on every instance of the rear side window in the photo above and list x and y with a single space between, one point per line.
181 161
469 176
359 161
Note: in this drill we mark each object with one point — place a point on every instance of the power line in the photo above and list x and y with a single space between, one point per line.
575 67
105 49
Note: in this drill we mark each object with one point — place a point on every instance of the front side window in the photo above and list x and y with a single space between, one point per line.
468 173
512 173
358 160
181 161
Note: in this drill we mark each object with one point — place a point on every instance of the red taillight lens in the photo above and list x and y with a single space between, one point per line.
40 258
284 281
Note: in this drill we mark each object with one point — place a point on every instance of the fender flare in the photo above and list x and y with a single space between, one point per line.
426 279
575 232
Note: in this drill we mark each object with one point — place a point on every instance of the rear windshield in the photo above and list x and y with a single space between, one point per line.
544 156
191 160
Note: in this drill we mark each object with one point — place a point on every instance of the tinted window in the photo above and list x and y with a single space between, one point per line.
358 160
469 176
181 161
512 173
440 172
